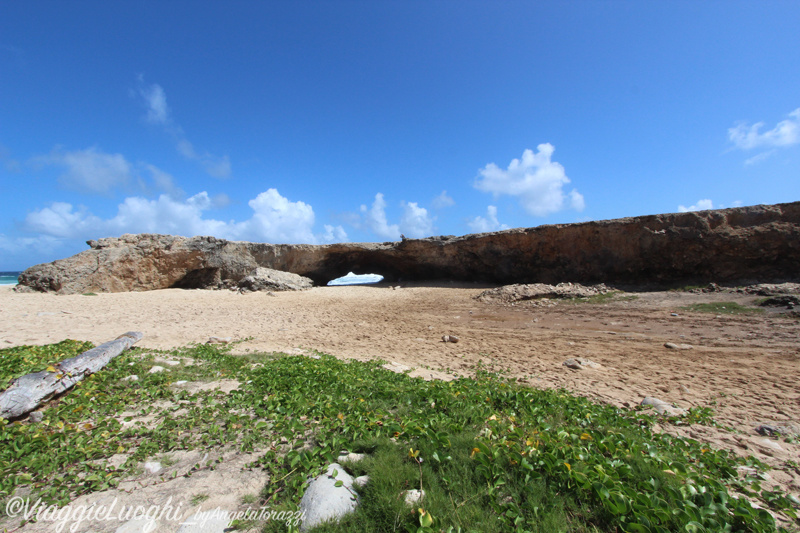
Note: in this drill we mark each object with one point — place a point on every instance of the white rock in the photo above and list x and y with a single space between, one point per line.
324 501
361 481
771 444
345 457
132 377
152 467
413 496
673 346
662 407
579 363
156 369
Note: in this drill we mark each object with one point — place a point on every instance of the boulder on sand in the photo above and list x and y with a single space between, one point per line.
267 279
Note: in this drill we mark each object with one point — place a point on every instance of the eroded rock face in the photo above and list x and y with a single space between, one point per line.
742 244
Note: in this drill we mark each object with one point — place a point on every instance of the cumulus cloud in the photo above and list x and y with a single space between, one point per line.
785 133
442 201
334 234
488 223
536 180
415 221
274 219
158 112
90 170
701 205
375 218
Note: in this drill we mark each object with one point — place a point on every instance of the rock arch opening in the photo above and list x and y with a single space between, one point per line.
355 279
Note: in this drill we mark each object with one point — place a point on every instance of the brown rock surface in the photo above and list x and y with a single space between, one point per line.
747 243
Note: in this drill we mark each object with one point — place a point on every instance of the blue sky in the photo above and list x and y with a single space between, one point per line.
330 121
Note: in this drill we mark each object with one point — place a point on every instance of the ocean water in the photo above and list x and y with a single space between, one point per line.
356 279
9 278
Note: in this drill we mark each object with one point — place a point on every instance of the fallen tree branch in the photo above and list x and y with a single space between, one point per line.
26 393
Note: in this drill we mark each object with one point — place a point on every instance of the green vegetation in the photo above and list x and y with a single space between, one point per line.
21 360
723 308
197 499
612 296
491 455
89 294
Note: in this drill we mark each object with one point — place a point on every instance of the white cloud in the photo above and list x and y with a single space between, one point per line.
279 220
488 223
442 201
334 234
760 157
156 102
163 181
216 167
536 180
701 205
375 218
90 170
785 133
275 219
158 112
415 221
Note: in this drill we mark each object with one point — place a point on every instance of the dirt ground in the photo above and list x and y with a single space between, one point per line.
745 367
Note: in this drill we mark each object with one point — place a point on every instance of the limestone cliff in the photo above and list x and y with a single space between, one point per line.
747 243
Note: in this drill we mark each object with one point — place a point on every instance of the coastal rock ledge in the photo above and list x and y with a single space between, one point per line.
740 244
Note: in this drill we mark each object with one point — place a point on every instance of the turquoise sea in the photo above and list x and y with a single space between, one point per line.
9 278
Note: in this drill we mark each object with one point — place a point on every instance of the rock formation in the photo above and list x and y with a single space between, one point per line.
741 244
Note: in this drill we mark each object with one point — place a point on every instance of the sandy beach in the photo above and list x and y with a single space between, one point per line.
745 367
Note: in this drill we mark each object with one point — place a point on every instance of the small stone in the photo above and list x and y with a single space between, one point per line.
180 382
361 481
152 467
132 377
449 338
767 430
771 444
673 346
350 457
579 363
662 407
36 417
218 340
171 362
674 314
156 369
413 496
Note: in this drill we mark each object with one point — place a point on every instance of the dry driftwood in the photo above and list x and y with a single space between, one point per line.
28 392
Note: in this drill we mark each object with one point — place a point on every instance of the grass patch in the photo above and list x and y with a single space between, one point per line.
723 308
490 454
89 294
197 499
